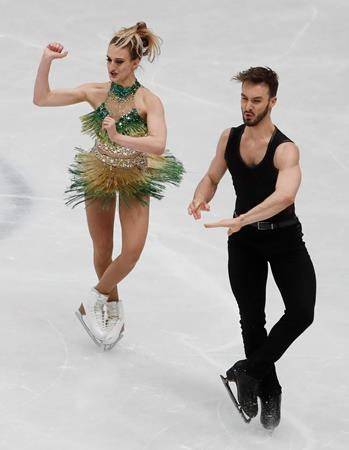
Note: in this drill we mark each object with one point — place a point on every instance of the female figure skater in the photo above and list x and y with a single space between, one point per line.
128 125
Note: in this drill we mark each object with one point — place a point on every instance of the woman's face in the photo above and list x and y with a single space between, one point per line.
120 66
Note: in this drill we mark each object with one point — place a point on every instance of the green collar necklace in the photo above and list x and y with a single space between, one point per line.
124 92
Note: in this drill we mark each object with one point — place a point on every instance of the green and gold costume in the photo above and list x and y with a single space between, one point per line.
108 167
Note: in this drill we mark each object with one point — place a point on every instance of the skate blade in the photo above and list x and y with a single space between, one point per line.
108 347
88 331
245 417
269 431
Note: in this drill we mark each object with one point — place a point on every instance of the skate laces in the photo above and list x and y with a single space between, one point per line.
98 312
112 315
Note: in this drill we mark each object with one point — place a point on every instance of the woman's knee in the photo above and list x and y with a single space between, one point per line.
103 249
131 256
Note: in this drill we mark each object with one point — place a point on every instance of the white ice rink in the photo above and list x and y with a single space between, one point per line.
159 389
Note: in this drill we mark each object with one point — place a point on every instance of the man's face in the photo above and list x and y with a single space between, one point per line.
255 103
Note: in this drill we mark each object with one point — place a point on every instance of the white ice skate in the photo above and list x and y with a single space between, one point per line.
115 324
92 315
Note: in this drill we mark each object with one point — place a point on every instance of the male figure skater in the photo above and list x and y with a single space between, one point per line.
264 165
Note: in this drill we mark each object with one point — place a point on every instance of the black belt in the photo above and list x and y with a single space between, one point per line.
263 226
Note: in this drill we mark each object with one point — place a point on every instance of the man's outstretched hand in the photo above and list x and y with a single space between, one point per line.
234 224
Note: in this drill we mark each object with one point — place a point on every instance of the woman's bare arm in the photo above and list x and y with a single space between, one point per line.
155 141
45 96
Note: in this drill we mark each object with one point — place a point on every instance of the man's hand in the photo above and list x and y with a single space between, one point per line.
234 225
196 206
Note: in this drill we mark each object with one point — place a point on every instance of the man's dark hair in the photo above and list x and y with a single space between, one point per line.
259 75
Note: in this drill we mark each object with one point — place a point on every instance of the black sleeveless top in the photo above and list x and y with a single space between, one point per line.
253 184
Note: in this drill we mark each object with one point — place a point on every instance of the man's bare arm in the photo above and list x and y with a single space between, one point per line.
207 187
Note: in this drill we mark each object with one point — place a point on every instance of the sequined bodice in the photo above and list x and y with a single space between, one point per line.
128 121
109 169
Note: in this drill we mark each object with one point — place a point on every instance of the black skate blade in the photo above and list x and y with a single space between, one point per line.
86 328
233 399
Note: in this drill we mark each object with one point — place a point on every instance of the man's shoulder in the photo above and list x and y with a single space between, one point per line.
240 127
287 154
234 129
225 133
281 137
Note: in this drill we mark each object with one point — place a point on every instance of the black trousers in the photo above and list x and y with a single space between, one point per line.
250 250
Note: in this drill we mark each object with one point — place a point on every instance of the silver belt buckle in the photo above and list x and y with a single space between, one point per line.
265 226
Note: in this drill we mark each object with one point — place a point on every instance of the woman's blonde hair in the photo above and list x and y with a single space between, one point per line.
139 40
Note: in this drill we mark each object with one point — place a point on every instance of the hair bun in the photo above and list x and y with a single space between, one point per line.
141 25
140 41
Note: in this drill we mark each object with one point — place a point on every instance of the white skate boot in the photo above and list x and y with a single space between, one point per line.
92 315
115 324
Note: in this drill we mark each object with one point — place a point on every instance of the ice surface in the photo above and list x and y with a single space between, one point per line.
160 389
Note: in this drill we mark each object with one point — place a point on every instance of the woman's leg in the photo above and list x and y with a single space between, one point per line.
134 219
100 222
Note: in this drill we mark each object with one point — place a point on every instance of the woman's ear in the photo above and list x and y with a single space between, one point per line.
136 63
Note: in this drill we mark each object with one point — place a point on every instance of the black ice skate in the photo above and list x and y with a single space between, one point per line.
233 399
247 388
270 410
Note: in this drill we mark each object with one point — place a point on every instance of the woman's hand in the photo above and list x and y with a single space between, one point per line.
54 50
234 225
108 124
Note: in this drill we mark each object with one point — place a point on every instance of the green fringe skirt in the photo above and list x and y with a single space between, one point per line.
94 179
